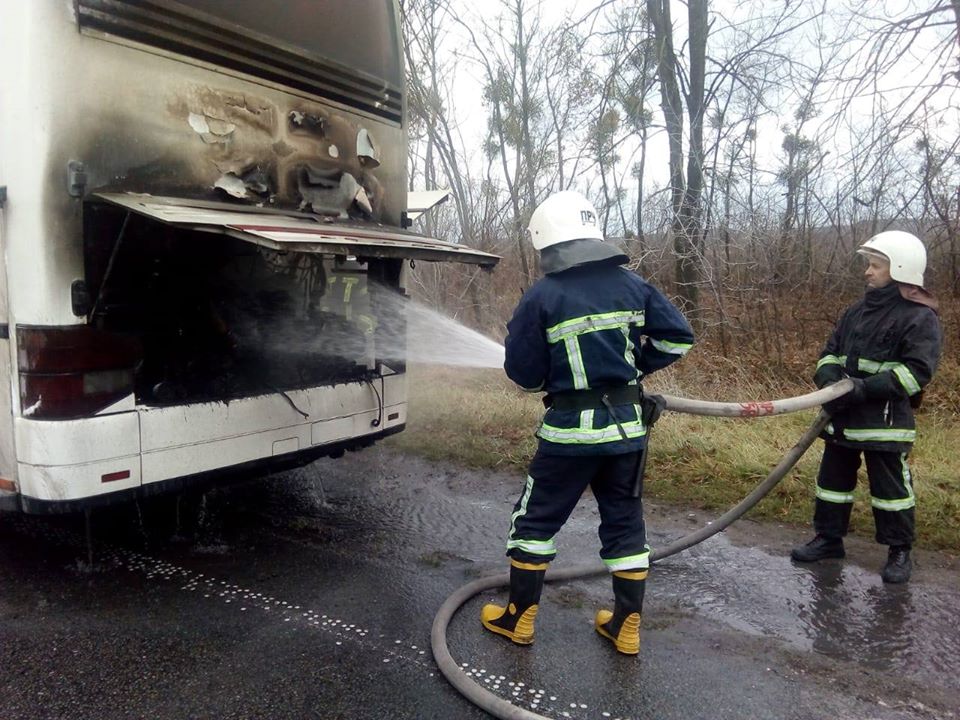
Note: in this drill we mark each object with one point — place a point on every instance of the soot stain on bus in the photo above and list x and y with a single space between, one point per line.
218 145
218 318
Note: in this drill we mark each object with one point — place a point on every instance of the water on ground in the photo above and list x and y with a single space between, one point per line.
310 593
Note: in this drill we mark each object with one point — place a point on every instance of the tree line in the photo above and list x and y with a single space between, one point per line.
739 152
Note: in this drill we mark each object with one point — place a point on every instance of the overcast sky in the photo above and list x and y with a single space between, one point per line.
916 62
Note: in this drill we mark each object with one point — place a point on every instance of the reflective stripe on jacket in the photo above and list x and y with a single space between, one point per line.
893 344
593 326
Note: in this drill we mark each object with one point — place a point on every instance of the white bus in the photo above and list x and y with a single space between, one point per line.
203 219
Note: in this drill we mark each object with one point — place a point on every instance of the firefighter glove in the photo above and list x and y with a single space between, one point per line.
856 396
650 407
827 375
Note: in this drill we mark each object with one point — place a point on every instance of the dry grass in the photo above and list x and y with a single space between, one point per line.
477 418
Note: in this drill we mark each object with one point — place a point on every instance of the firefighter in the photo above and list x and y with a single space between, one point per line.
888 343
587 334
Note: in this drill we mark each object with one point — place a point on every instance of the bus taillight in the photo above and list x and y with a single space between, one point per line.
73 371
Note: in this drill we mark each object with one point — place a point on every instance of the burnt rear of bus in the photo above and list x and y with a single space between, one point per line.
205 239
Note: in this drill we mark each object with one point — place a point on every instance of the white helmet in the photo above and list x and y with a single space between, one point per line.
563 216
907 255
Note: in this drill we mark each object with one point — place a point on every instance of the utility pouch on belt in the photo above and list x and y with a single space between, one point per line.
651 406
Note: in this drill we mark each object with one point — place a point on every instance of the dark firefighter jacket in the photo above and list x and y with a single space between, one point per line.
893 344
592 327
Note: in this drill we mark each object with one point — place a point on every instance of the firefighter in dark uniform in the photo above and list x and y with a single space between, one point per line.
587 333
888 343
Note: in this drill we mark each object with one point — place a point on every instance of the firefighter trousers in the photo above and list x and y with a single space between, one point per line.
891 493
553 488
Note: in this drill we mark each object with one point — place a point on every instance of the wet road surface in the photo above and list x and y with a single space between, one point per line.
310 594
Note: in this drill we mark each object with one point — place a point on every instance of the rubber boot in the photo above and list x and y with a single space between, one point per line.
622 626
820 548
899 565
515 621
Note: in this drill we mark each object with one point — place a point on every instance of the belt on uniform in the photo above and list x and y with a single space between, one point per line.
597 398
594 398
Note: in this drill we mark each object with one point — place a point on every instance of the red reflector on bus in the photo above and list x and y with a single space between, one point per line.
8 485
73 371
110 477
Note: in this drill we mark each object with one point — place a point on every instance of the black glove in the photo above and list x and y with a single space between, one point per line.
650 408
854 397
827 375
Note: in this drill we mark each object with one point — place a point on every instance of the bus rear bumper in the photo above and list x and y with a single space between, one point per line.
65 465
197 481
72 459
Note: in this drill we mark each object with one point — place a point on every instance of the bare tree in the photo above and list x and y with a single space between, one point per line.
685 189
784 149
429 78
941 187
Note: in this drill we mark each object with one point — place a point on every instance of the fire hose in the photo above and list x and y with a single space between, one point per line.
500 708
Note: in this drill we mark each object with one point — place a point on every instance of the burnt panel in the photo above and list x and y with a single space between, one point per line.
182 30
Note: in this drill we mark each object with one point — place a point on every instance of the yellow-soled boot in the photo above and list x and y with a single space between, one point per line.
515 621
622 626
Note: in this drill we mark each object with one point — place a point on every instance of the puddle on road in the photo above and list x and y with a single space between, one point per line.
833 608
330 501
836 609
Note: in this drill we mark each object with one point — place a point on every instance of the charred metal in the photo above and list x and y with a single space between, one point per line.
219 318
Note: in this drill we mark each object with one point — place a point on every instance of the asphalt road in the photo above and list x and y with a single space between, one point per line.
310 594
